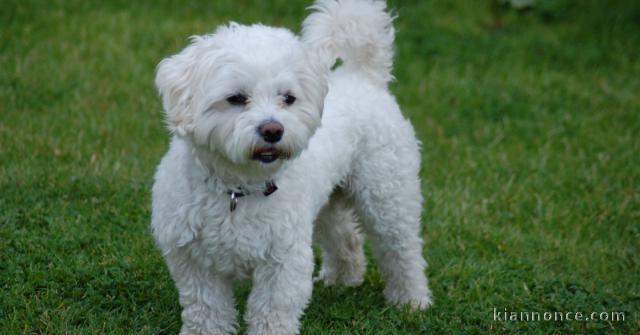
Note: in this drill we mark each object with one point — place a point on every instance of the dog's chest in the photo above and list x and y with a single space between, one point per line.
232 243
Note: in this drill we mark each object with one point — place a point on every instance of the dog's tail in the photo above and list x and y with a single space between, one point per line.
358 32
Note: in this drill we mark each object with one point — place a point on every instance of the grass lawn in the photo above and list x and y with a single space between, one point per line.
530 123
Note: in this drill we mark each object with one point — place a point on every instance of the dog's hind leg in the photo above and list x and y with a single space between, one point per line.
388 200
336 231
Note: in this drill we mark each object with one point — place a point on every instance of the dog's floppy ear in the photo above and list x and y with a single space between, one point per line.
315 82
174 79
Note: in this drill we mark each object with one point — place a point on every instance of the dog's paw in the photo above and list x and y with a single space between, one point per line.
326 277
419 304
415 302
343 278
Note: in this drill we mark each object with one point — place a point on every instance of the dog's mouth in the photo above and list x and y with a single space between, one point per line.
269 155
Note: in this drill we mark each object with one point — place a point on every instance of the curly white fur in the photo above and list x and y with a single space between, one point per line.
352 155
360 33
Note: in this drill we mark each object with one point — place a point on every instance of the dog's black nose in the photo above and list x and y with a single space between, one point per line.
271 131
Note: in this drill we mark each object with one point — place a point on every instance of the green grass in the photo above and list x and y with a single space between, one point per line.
531 147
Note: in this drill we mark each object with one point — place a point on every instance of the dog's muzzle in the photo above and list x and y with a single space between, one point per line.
269 155
271 131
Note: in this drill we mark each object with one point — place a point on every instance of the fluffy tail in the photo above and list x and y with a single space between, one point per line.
359 32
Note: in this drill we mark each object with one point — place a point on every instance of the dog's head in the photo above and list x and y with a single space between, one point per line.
251 96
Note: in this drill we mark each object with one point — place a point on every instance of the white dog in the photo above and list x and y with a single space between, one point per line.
268 139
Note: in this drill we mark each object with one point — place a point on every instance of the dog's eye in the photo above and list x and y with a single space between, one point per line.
289 99
237 100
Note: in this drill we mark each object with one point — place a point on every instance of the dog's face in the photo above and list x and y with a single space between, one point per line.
251 96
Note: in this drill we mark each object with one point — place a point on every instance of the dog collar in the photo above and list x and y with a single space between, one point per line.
234 195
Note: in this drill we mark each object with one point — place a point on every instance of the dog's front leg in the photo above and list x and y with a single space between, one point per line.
281 291
206 298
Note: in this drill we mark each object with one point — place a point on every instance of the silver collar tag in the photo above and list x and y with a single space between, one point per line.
234 200
270 187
